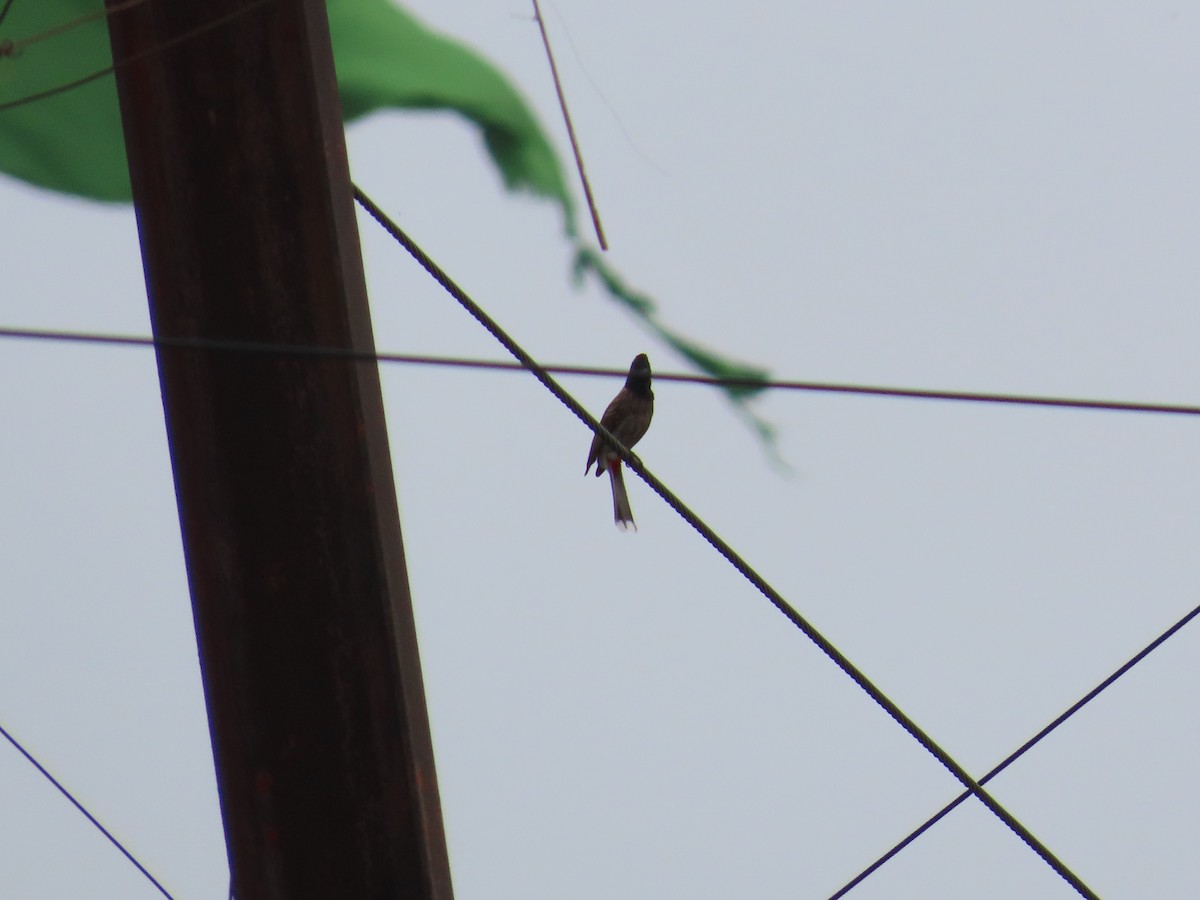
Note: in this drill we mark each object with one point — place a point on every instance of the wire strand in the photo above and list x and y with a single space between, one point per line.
725 549
231 346
142 54
566 31
79 806
1018 753
72 24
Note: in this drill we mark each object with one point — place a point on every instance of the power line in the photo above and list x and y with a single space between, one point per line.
1018 753
723 548
300 350
984 397
79 806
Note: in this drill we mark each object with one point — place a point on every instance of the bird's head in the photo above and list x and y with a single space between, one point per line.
638 381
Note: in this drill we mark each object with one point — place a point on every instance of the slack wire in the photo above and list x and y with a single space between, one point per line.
79 806
725 550
1019 752
303 350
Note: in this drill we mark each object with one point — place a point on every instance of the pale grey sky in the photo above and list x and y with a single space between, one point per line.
923 194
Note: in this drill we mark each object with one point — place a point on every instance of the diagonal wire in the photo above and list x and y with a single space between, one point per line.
562 102
305 350
79 806
1018 753
725 550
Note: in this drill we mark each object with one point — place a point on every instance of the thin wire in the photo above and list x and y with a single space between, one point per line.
599 93
72 24
142 54
562 102
86 337
724 549
79 806
982 397
1019 752
55 91
7 47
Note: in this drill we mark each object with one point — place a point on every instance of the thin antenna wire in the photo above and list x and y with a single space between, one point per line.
724 549
300 350
79 806
599 93
149 51
72 24
562 102
1019 752
4 11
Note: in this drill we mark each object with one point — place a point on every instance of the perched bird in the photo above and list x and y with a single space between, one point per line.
627 418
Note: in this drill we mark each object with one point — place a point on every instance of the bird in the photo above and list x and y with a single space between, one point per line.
626 418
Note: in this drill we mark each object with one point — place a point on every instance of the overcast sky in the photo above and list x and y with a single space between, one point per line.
994 197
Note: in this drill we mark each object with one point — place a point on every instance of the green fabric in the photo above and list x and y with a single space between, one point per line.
385 58
71 141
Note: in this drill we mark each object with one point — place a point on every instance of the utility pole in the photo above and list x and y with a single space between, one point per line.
282 472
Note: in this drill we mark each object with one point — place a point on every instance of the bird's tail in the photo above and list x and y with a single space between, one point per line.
622 514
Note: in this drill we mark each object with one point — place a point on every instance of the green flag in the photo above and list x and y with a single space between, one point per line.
60 126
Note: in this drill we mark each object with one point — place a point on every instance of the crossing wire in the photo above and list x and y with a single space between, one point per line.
357 355
79 806
705 531
314 351
724 549
1018 753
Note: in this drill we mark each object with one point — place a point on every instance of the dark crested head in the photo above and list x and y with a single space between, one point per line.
639 375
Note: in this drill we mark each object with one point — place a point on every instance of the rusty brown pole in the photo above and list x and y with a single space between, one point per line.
282 472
